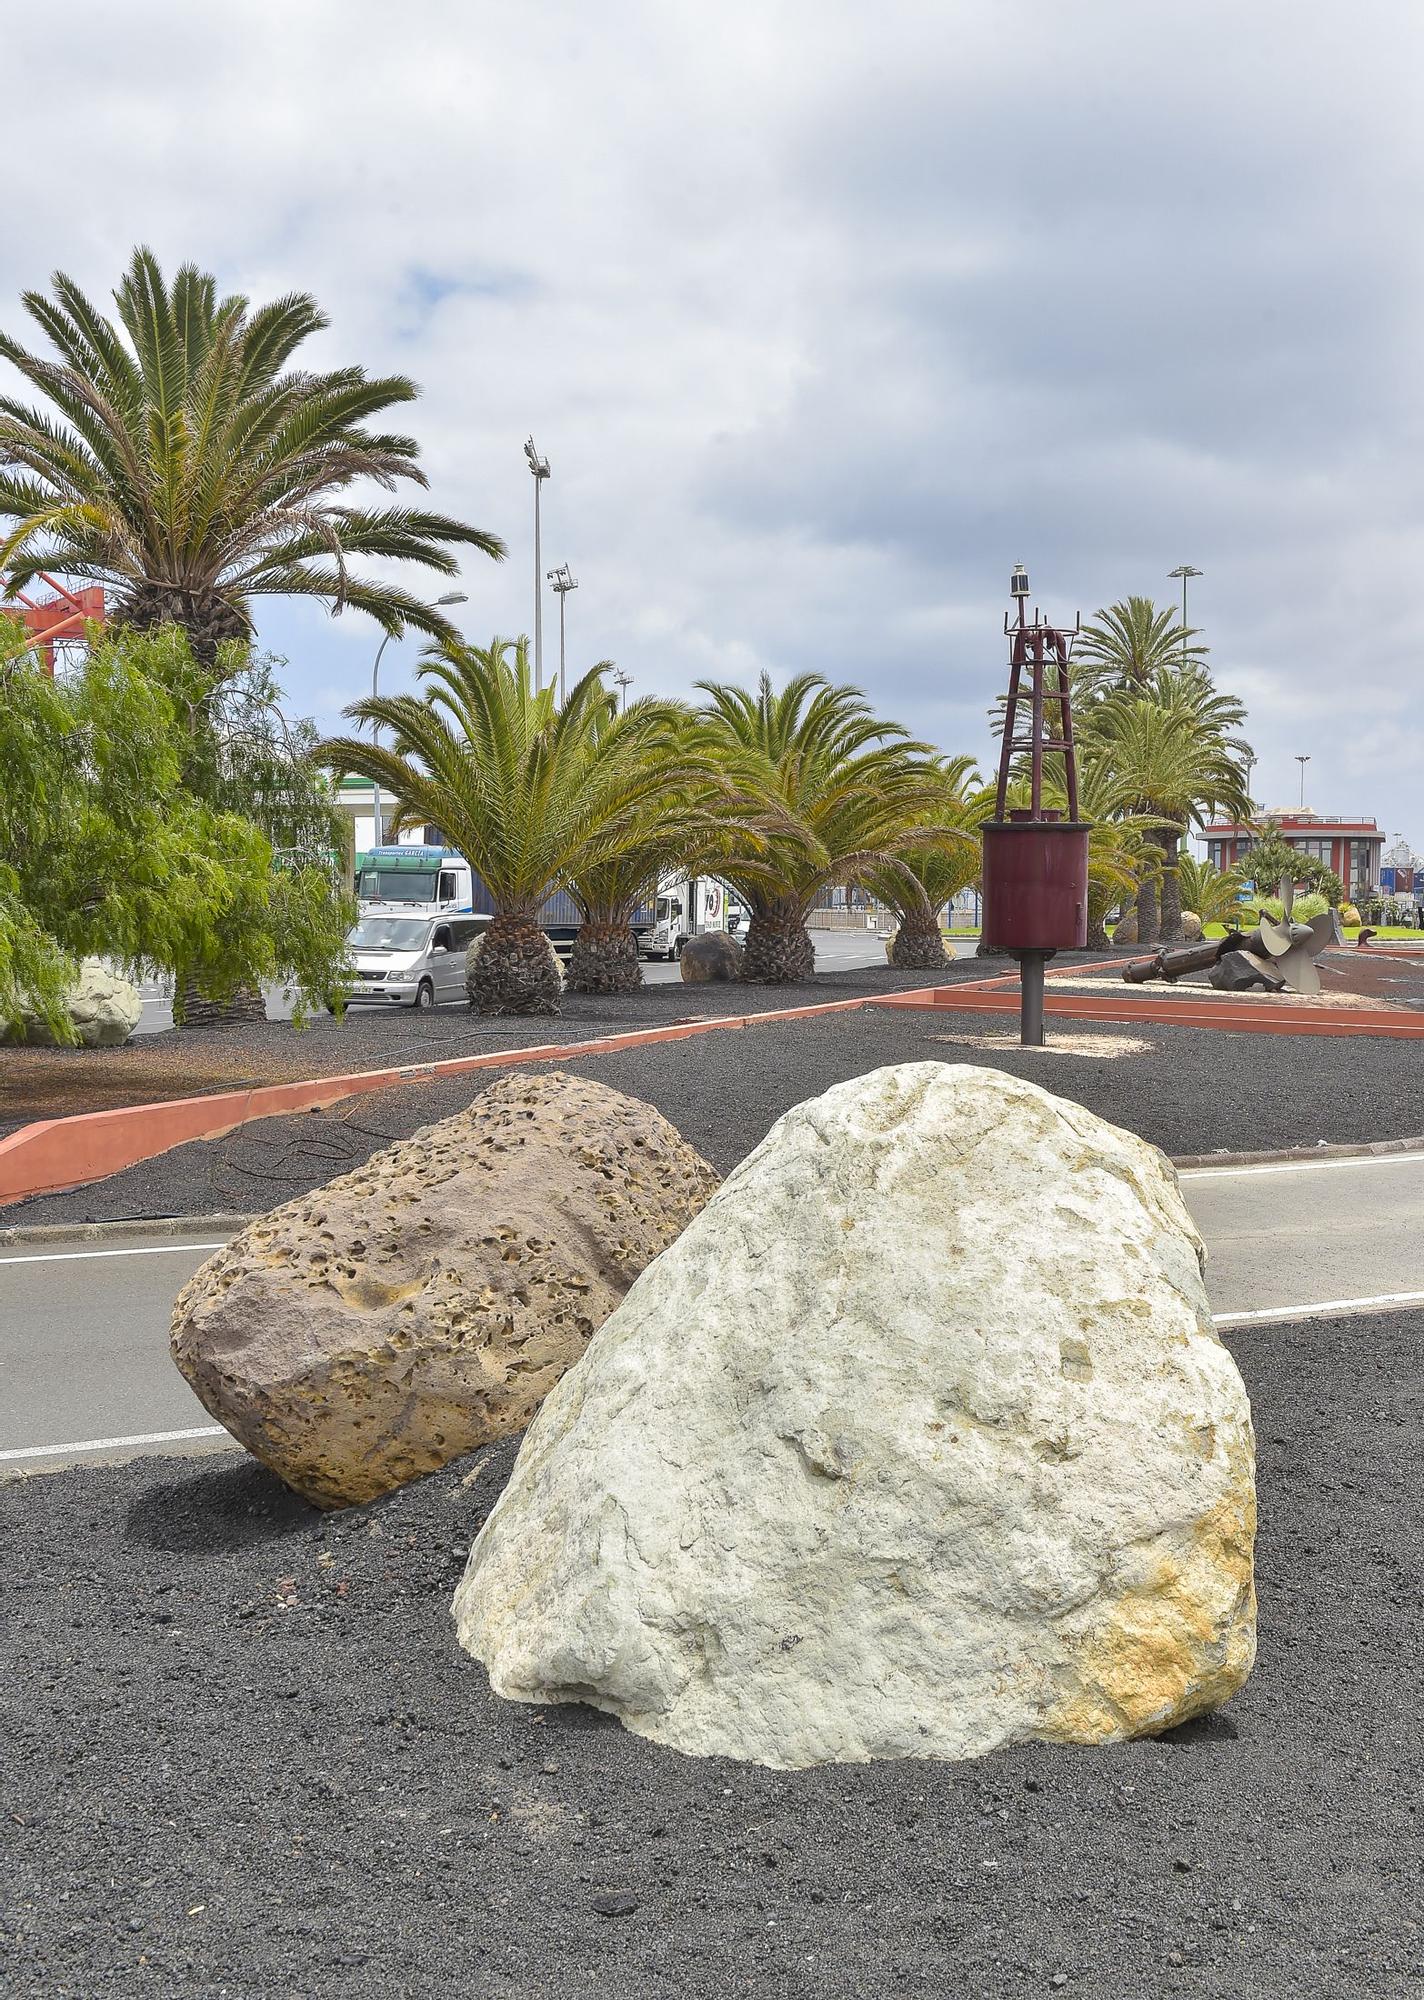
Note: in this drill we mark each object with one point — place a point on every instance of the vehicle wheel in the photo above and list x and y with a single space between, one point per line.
676 953
425 996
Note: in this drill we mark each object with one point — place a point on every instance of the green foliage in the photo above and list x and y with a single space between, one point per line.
532 794
928 876
1213 893
840 796
178 458
1271 859
1303 908
106 850
1129 644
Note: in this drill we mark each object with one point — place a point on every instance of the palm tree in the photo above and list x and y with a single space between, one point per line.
1128 644
177 458
532 794
685 819
1170 749
924 878
847 792
1213 893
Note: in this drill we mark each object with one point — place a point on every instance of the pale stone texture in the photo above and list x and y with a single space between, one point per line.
424 1304
920 1442
104 1007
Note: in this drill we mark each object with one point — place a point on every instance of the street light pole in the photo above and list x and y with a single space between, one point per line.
450 597
539 466
1184 570
1303 761
624 681
563 581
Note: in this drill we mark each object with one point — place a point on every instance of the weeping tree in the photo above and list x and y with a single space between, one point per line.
179 458
534 795
840 791
922 879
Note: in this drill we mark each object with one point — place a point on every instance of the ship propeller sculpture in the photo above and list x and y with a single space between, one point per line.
1277 956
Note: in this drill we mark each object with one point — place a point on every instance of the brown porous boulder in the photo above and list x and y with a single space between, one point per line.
712 955
382 1325
1191 926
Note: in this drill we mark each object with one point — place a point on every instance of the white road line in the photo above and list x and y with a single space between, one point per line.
1322 1306
115 1444
78 1256
1300 1166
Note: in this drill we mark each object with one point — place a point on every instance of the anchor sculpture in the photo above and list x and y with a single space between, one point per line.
1277 956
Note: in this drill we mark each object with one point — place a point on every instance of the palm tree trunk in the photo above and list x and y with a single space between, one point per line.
605 959
1171 931
918 945
1148 921
191 1010
514 971
779 948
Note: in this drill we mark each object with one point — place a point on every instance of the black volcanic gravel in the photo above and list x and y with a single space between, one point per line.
195 1062
243 1756
1192 1090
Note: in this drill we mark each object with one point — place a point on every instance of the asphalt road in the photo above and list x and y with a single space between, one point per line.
85 1372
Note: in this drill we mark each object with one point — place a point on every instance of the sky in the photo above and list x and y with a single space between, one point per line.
825 315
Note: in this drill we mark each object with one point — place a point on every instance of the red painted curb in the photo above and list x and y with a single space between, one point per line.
58 1153
1256 1017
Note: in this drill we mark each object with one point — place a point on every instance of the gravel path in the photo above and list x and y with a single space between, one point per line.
193 1062
244 1757
1190 1090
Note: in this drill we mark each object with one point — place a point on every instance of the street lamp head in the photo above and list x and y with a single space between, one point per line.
562 579
538 465
1184 570
453 597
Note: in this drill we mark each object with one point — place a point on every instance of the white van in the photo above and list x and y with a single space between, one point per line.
409 961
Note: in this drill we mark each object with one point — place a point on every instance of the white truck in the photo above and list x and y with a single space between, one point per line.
681 900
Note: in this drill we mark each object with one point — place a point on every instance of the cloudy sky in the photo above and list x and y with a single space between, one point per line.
825 315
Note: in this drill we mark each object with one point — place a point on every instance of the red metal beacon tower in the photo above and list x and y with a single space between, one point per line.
1035 860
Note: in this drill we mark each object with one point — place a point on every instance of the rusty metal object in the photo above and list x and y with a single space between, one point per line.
1035 861
1278 956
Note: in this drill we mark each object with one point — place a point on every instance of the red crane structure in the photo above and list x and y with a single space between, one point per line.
55 621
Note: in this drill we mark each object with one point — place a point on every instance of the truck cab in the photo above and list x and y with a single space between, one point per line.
417 878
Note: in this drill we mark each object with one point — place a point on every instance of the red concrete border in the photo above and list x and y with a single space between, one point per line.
1245 1017
58 1153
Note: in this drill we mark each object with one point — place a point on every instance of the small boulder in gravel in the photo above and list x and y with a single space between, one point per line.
104 1007
712 955
920 1442
424 1304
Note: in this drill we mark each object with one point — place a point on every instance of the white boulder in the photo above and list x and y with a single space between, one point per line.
918 1441
104 1007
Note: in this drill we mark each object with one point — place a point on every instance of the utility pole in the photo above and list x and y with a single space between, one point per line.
563 581
625 681
539 466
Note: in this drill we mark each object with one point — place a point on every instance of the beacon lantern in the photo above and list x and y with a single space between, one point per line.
1035 857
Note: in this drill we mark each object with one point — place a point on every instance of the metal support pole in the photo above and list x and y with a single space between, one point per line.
563 598
1031 964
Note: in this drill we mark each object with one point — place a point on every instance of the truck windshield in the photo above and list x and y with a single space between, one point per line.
388 934
394 885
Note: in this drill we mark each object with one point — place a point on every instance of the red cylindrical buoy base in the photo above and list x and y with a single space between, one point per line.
1035 884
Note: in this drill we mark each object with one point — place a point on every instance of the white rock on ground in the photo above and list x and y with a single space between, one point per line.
919 1441
104 1007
